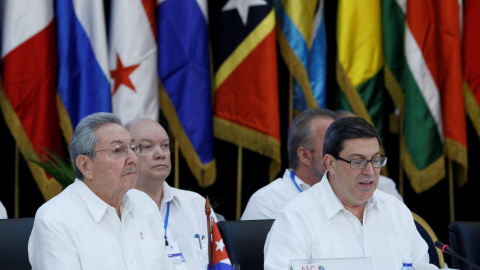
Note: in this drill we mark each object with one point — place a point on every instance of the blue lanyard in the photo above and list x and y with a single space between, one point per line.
292 176
166 223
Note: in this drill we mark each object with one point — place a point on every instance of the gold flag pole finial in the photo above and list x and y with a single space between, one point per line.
208 210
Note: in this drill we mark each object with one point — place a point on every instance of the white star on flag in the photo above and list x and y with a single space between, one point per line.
220 245
242 7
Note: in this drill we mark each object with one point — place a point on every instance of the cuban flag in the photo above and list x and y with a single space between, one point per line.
220 259
84 75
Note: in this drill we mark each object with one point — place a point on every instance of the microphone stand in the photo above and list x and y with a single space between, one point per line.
446 249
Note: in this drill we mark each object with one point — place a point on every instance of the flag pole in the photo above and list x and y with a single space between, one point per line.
16 212
239 182
177 166
450 190
208 210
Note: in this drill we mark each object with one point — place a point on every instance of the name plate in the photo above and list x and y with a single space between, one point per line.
332 264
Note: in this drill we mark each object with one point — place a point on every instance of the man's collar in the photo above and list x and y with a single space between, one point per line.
96 206
170 194
332 203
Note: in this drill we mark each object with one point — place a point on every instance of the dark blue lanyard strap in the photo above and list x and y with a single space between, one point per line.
166 223
292 176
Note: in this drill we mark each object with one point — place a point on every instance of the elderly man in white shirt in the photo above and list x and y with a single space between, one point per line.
99 221
344 216
305 139
183 211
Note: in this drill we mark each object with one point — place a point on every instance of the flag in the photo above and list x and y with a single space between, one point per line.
423 74
302 41
185 91
360 60
84 76
27 89
220 259
471 58
246 109
133 59
443 55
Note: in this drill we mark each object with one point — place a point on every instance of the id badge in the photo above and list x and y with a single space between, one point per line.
174 253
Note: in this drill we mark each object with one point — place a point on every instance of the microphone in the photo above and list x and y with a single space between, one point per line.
448 250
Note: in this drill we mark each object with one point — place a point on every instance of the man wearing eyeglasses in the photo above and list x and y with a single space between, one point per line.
344 216
99 221
183 212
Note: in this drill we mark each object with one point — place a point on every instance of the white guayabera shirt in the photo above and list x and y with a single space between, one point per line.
78 230
316 225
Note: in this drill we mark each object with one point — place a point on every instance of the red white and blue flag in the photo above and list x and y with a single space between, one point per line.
220 259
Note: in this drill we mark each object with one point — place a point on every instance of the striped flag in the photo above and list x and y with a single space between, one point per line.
84 76
425 81
184 71
302 40
360 60
440 54
471 58
27 90
133 59
246 110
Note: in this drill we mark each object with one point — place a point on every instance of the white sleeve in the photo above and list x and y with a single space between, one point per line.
258 207
286 241
49 246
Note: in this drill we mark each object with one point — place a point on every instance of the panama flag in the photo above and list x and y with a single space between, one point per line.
133 59
27 92
220 259
83 84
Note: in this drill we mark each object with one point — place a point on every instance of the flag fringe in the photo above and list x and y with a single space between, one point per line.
422 180
65 123
393 88
205 174
251 140
49 187
458 153
472 107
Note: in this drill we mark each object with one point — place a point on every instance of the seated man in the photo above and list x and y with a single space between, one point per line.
305 139
385 184
183 211
99 221
344 216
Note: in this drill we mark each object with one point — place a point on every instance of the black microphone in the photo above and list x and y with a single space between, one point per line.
448 250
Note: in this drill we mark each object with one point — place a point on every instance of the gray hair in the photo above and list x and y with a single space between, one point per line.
300 134
84 139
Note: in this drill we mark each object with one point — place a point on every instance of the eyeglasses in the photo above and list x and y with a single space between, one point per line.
122 149
360 163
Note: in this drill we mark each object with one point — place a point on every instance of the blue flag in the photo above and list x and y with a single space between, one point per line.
184 71
83 83
303 46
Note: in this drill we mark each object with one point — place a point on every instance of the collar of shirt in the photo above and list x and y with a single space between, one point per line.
332 203
169 195
303 186
96 206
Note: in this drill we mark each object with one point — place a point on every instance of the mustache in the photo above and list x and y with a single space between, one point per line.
130 170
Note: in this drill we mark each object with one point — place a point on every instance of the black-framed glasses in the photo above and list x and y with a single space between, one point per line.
361 163
121 149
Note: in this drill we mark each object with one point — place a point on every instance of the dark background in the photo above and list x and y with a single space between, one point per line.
432 205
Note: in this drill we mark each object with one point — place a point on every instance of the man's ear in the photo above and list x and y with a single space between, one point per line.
329 163
304 155
83 164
